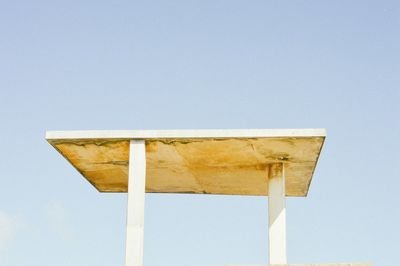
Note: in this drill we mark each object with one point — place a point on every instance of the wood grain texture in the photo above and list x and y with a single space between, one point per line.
228 166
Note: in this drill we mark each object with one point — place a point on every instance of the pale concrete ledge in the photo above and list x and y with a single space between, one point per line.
313 264
324 264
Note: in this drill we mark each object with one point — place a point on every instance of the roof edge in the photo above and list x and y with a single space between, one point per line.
196 133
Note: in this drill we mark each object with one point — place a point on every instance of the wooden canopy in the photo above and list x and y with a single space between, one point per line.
230 162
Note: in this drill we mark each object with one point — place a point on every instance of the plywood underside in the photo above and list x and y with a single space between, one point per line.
206 166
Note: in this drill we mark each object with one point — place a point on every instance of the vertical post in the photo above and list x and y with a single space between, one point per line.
277 214
136 195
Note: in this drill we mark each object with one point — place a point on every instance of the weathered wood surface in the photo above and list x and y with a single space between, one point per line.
232 162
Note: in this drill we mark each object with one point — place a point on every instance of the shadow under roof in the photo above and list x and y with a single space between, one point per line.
228 162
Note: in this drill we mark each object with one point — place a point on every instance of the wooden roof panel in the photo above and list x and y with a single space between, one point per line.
233 164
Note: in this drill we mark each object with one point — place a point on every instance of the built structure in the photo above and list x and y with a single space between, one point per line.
265 162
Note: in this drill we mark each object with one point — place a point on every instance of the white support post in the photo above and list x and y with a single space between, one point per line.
277 214
136 194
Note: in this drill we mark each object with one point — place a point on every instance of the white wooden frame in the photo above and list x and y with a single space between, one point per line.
136 197
136 201
198 133
277 214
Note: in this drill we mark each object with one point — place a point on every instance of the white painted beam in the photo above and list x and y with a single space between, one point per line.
198 133
277 214
136 196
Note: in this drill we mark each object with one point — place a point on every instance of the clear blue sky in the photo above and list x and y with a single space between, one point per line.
179 64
